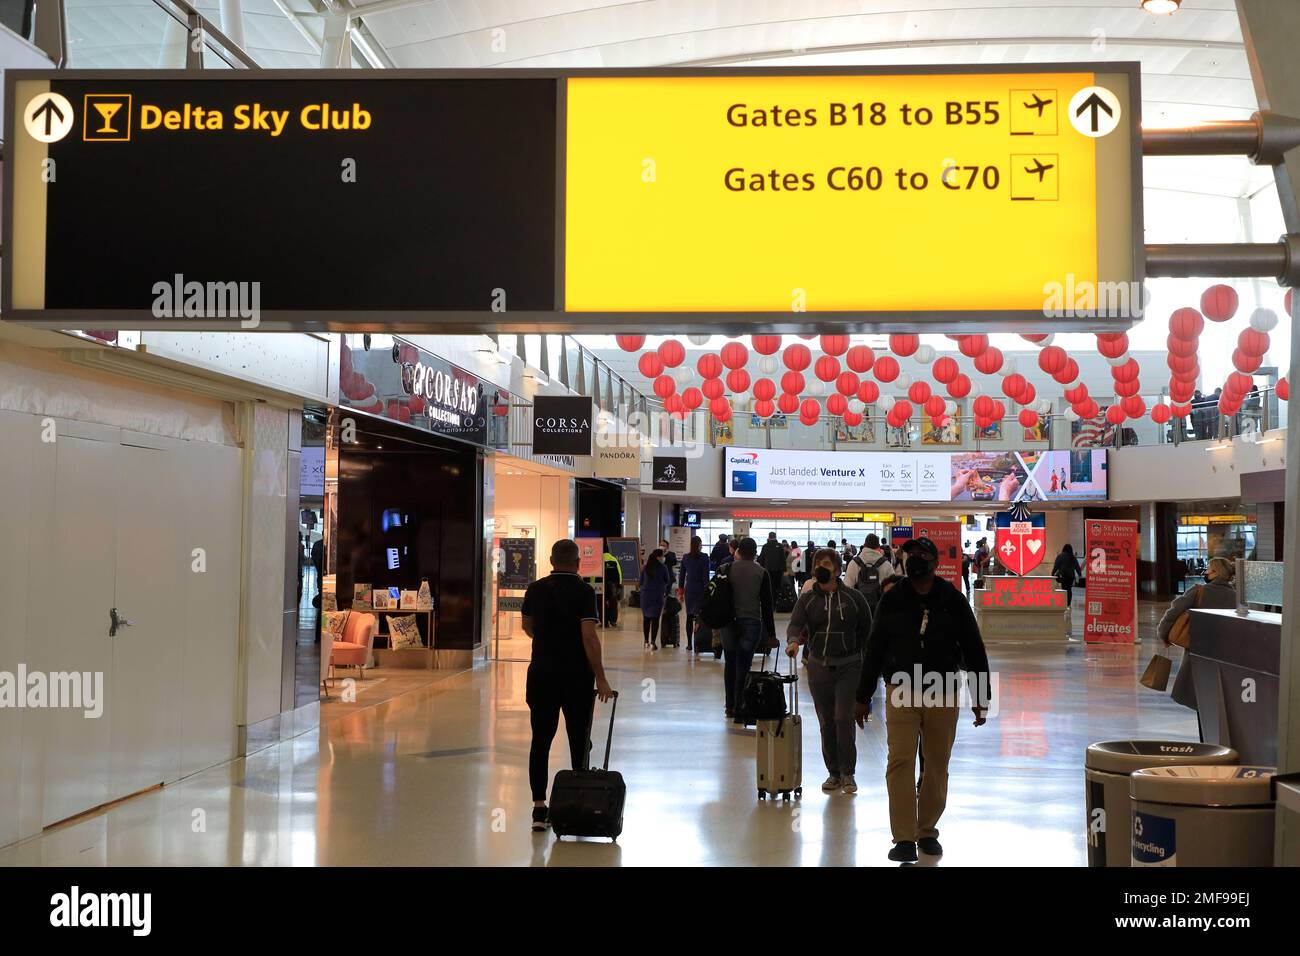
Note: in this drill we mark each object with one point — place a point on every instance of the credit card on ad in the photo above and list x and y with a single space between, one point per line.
744 481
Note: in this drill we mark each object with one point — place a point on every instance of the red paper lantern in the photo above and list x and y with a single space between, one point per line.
999 410
1068 374
792 382
1161 414
982 422
945 369
1228 406
1181 363
797 357
764 408
1013 385
1246 363
765 344
738 380
860 358
734 355
1128 372
983 405
989 361
765 388
1186 324
1035 338
709 366
650 365
809 411
630 343
1185 347
416 404
1219 303
1052 359
1028 417
919 392
674 404
1237 384
1112 345
904 344
665 386
788 403
1189 375
853 419
1180 411
1180 392
959 387
1027 394
973 345
827 369
1125 389
692 398
868 392
1283 386
724 414
935 406
1134 406
886 368
1115 415
902 410
713 388
837 404
672 353
720 408
1253 342
1077 394
835 344
847 383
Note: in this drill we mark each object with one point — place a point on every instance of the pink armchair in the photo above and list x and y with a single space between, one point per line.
352 647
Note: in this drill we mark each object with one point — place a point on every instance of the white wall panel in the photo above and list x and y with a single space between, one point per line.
296 363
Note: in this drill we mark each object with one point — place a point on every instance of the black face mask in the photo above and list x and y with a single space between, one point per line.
917 567
823 575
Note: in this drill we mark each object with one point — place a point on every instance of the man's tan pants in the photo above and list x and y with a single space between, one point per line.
912 815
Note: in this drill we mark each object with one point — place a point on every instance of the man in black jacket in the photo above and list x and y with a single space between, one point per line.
924 633
772 558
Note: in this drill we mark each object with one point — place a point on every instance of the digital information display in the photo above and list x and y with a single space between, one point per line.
532 200
996 478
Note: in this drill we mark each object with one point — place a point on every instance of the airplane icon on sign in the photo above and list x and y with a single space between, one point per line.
1040 168
1037 103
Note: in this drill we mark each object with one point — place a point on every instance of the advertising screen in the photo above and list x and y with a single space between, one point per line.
971 476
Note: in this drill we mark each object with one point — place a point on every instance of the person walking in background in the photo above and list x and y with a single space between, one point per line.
772 558
655 582
1066 570
613 589
868 570
755 623
670 558
559 614
1218 591
694 581
833 621
924 629
720 553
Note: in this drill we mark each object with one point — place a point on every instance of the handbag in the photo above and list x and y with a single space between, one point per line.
1181 632
1156 676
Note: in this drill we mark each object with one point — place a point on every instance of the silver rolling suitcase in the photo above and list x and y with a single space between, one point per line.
780 749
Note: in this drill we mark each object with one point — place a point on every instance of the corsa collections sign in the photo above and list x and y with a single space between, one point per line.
1039 594
1110 590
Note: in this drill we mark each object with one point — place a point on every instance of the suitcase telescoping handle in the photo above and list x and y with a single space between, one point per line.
794 688
609 740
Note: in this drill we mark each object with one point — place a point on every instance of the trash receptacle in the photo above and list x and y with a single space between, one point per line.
1202 816
1107 765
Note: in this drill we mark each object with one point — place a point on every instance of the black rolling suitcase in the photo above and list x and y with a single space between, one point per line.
590 802
786 596
670 626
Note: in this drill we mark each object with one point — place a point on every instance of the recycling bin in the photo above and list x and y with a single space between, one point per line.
1202 816
1107 766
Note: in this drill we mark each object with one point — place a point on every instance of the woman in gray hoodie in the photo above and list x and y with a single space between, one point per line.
833 621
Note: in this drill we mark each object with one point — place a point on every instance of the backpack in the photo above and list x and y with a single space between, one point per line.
719 606
868 583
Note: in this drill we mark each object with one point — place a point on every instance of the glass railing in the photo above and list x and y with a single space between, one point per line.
1261 583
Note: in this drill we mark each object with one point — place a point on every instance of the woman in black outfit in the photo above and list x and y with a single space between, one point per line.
1066 570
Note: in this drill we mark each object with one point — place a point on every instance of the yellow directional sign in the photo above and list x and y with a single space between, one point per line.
952 192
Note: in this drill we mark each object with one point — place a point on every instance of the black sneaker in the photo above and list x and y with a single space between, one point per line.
929 846
903 852
541 818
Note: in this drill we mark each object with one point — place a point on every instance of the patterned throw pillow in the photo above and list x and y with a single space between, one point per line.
333 621
403 632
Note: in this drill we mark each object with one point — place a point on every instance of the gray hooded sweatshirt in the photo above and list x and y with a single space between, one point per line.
834 624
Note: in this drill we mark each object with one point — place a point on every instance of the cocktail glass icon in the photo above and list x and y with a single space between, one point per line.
107 110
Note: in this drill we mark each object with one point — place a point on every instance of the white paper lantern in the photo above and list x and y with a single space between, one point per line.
1263 320
1043 406
1118 360
902 383
1073 385
976 389
1009 366
683 376
857 406
950 407
769 365
1047 341
814 387
698 339
924 354
1071 414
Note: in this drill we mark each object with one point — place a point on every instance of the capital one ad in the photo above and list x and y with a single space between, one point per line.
914 476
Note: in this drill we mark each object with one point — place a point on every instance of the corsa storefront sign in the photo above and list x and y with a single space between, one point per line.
1110 588
1038 594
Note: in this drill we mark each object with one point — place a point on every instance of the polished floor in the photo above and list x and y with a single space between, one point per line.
438 776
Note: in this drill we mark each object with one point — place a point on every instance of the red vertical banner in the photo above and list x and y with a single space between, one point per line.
1110 574
946 536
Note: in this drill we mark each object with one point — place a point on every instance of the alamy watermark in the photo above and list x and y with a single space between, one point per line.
65 690
192 299
1079 298
922 688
